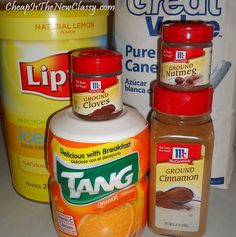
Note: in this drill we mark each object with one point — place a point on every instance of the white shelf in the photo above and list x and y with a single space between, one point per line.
23 218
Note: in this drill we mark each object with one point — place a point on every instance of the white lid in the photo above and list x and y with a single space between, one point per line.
67 125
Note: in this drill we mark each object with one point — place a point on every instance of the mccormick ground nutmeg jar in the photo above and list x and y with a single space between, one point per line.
96 83
186 55
181 145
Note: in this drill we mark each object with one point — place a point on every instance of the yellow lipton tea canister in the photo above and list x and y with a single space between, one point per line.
34 57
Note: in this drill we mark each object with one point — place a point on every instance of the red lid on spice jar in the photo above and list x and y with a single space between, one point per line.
187 32
186 103
96 61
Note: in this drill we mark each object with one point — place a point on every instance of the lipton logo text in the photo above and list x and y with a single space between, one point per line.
47 77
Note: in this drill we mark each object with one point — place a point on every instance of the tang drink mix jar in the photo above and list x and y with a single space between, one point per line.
186 55
98 183
96 83
181 146
34 68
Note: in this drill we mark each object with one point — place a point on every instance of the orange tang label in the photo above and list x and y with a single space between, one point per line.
94 187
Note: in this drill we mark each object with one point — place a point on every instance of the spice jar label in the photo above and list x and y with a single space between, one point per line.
97 97
185 67
179 180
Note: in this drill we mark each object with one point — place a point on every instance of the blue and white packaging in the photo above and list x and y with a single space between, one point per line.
136 34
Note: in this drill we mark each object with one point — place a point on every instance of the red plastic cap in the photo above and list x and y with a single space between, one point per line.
186 103
187 32
96 61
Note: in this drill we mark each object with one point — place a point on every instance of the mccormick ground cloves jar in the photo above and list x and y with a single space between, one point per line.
181 144
186 55
96 83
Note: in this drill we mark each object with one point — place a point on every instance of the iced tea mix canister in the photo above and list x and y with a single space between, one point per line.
34 72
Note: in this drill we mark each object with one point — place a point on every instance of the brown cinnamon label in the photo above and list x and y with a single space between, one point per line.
179 179
174 198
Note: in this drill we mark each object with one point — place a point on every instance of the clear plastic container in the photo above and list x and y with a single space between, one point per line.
181 144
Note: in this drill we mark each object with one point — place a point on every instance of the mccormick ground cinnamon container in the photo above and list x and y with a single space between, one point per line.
186 55
96 83
181 144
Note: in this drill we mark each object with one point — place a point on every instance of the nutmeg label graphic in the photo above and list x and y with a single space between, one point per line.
186 67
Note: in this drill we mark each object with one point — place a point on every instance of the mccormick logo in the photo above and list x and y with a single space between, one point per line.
85 186
180 155
179 55
95 85
47 77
